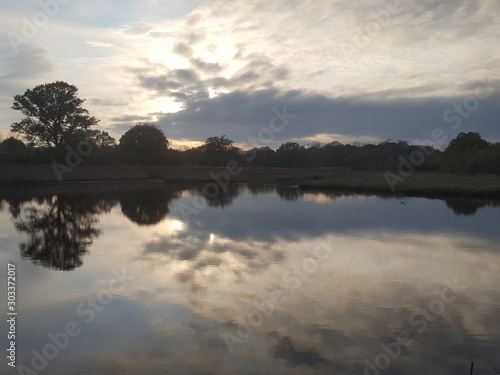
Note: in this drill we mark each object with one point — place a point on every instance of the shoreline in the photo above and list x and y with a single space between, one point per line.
326 179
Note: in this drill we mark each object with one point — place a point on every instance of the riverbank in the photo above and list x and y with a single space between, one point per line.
44 174
428 183
307 178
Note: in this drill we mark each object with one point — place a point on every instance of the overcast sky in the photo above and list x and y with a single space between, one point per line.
365 70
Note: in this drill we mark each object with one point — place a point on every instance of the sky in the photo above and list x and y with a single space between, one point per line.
263 72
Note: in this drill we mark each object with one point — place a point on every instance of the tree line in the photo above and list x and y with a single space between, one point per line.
56 125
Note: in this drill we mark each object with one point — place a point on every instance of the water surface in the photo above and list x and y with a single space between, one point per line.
258 280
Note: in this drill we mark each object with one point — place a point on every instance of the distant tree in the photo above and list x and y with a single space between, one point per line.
12 147
12 150
194 156
219 150
289 154
289 147
102 146
260 157
467 142
101 139
219 143
461 153
144 144
53 113
486 160
97 138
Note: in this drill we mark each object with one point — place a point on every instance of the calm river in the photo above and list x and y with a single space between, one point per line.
259 280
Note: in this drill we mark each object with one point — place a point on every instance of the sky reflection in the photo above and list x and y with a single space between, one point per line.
334 277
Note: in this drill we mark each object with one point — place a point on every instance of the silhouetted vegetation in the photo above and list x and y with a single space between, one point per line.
56 125
469 153
60 228
221 197
144 144
146 208
54 117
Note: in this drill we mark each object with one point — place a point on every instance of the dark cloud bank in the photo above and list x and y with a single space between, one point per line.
242 114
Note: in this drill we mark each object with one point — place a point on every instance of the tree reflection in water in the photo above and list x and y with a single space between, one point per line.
468 207
289 193
221 197
147 207
60 228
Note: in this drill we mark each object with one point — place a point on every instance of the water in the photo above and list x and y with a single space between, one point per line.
260 280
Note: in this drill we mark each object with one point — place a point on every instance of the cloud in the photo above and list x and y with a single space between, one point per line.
28 63
183 49
243 114
129 118
206 66
107 103
192 84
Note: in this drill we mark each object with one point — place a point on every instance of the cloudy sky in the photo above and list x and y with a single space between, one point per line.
348 71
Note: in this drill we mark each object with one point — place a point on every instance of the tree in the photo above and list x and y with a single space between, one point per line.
144 144
101 139
12 149
467 142
489 159
219 150
289 154
101 145
219 143
97 138
461 153
260 157
53 113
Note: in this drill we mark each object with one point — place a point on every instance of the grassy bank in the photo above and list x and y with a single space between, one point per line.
417 184
306 178
27 174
